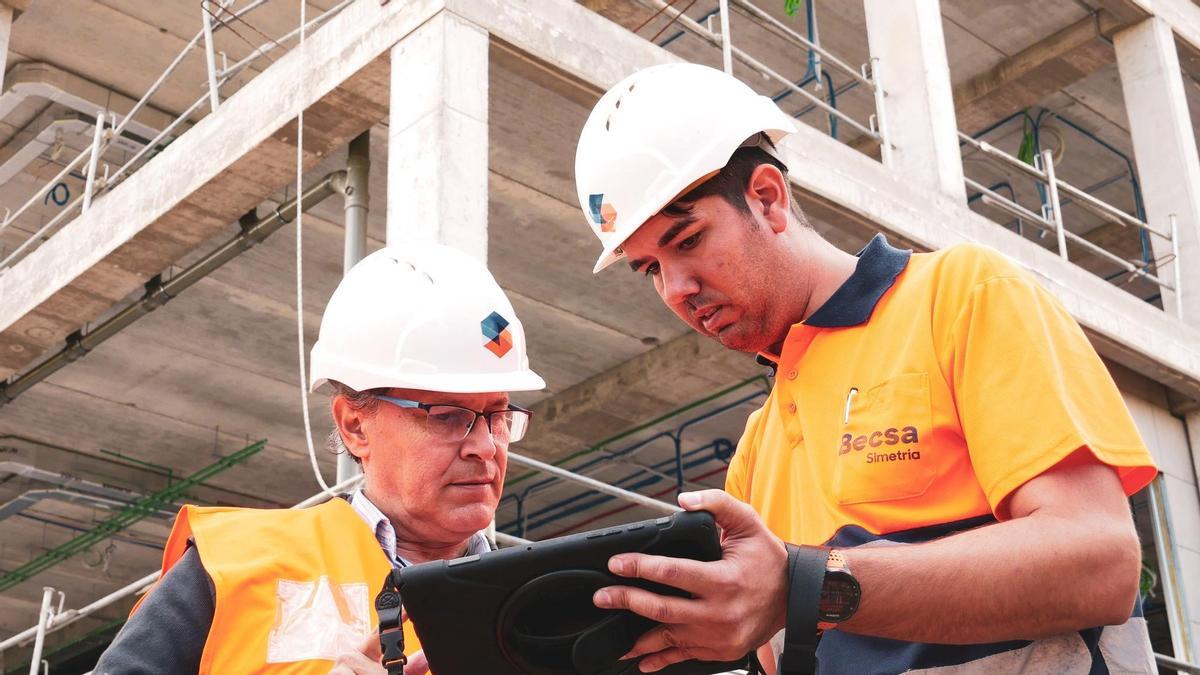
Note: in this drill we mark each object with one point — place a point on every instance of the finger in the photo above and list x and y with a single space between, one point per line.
659 608
652 641
688 575
660 660
354 663
735 518
371 649
417 664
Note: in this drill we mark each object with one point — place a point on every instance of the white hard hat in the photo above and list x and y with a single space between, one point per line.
422 316
658 133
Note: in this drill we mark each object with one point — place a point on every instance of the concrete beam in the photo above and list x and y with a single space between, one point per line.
1164 146
569 37
224 166
438 136
691 366
1033 73
906 38
1182 15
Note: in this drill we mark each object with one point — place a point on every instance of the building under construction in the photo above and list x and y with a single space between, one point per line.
171 235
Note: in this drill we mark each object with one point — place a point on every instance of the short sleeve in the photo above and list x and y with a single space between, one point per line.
1030 390
737 478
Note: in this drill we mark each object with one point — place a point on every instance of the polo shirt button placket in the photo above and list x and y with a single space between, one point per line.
791 374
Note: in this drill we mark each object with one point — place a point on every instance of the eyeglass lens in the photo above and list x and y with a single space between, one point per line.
507 426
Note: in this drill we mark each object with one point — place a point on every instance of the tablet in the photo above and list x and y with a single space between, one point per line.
528 609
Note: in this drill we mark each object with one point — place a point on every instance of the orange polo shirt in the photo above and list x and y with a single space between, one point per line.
919 397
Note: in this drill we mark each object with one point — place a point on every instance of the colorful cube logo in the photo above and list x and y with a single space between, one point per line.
499 338
603 214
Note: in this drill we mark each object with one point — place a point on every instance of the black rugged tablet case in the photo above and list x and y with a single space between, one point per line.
528 609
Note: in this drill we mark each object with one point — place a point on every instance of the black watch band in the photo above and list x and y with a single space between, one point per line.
806 576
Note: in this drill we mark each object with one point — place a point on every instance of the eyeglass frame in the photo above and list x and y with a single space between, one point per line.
409 404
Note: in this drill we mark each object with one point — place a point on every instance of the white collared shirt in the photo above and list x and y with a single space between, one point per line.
385 533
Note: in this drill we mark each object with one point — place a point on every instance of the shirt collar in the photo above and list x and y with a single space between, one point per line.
879 264
852 303
385 533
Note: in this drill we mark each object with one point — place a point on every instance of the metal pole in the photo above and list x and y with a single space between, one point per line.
210 56
93 160
358 169
1055 203
43 618
726 44
598 486
885 144
1165 549
1178 267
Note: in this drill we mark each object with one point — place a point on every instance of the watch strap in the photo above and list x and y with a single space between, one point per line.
806 576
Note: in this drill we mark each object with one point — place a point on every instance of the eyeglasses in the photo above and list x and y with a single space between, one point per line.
454 423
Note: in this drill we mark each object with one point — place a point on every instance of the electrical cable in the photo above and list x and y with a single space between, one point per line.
312 451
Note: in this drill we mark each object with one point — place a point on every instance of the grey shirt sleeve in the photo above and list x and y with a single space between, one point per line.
168 632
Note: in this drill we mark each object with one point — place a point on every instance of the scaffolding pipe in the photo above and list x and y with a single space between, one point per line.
1176 267
804 42
726 40
357 199
885 146
511 540
93 160
598 486
210 55
1164 547
762 68
991 198
40 630
1055 202
159 292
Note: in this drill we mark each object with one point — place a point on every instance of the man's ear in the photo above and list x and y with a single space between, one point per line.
349 423
768 196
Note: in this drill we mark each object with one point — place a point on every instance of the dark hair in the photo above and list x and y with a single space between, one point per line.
357 400
730 184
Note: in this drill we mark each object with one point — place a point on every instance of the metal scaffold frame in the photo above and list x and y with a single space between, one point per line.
1052 219
104 136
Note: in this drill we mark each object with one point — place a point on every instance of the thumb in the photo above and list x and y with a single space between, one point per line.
735 518
417 664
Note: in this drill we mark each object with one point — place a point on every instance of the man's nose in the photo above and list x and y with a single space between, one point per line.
479 441
678 284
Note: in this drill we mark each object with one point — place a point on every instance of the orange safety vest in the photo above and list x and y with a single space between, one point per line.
294 587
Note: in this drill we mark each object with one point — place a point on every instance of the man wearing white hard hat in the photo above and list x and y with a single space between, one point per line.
420 348
938 480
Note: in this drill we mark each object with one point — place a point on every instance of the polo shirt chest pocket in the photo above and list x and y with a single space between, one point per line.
883 450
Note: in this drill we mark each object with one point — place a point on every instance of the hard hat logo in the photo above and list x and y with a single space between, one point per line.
495 329
603 214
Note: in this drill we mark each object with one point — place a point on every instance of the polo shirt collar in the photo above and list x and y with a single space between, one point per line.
879 263
852 303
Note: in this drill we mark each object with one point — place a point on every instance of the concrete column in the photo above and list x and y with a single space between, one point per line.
906 37
438 136
6 19
1164 146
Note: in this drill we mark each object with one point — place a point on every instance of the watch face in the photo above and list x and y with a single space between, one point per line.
839 597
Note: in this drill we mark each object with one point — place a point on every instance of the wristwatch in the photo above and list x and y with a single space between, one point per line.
840 593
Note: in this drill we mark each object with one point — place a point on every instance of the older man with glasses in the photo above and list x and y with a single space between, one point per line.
420 347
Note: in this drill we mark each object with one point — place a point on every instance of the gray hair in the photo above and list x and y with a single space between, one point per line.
358 400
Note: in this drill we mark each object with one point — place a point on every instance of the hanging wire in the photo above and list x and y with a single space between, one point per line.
312 451
225 24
